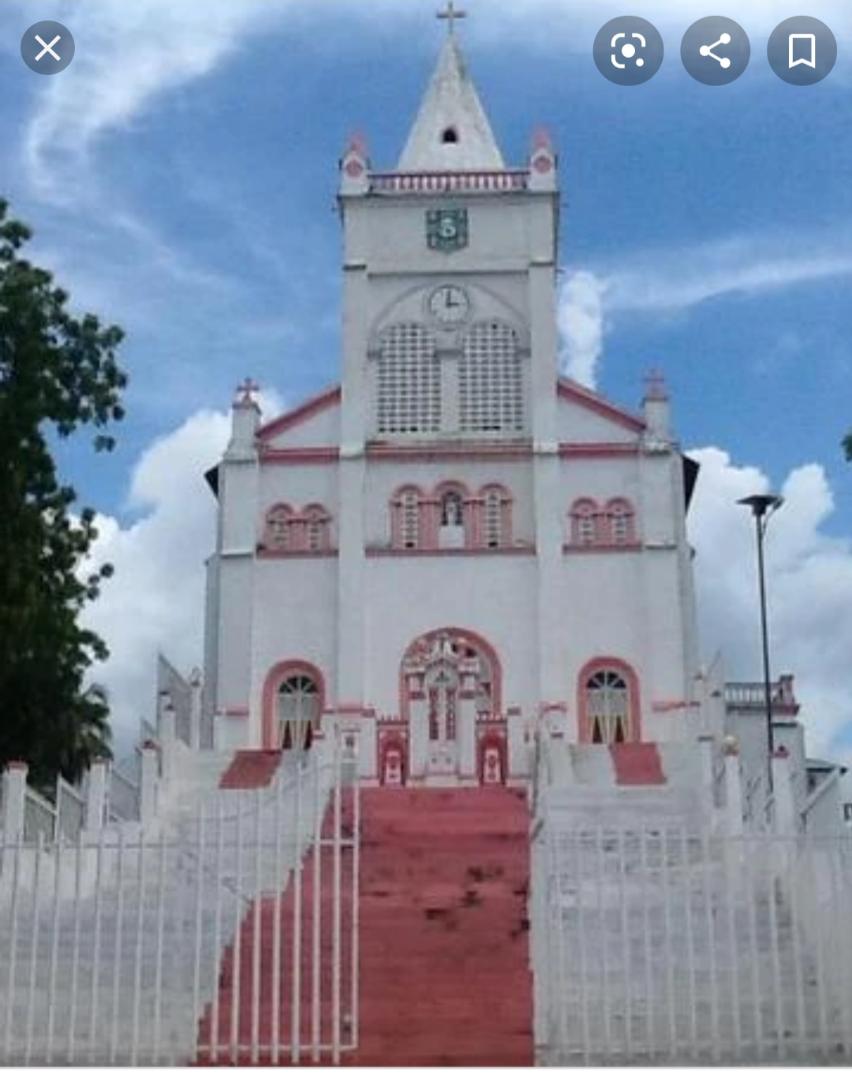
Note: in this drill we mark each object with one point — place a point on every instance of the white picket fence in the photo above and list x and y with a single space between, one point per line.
205 944
661 945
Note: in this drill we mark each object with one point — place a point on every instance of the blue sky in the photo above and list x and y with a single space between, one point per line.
187 191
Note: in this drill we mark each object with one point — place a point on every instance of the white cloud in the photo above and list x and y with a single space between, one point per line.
581 324
809 574
166 44
672 280
155 601
668 281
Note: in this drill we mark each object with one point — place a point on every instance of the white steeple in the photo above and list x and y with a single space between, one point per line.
451 131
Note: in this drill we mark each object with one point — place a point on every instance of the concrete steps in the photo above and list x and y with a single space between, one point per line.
444 947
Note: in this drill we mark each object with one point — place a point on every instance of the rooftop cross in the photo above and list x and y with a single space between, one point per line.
246 390
451 15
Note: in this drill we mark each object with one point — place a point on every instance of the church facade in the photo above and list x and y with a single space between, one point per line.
455 545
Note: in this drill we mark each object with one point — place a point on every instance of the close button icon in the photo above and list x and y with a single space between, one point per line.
47 47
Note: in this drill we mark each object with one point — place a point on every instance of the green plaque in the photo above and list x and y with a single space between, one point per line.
446 230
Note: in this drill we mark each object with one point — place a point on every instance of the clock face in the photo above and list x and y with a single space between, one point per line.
449 305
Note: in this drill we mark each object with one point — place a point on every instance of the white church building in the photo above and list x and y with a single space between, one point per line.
455 545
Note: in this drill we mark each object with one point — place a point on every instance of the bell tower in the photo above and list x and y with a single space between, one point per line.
449 312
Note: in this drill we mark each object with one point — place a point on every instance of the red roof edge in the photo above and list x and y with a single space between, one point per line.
322 401
574 391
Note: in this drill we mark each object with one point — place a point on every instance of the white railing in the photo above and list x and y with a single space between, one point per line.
39 818
123 797
70 811
661 945
482 180
232 941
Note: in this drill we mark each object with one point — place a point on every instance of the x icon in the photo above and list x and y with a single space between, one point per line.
48 48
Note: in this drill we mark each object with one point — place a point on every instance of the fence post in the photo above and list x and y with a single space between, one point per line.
733 789
96 791
782 787
706 746
167 731
148 782
14 801
196 687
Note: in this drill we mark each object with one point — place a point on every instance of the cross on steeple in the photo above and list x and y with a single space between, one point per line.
450 15
246 391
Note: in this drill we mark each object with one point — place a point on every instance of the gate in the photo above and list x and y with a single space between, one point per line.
228 938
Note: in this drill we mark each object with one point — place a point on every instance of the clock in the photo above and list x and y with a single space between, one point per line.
449 305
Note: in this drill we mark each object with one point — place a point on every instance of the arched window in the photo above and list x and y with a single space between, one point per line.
620 521
291 531
408 382
584 523
298 707
407 518
278 535
496 517
607 706
491 391
316 528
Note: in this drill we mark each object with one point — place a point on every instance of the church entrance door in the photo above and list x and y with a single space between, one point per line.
442 686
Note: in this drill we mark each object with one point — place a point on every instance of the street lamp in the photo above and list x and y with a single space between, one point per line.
763 507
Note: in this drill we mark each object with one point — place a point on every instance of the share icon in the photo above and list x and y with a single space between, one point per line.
715 50
724 62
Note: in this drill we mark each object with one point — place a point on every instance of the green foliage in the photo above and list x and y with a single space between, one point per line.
847 446
57 374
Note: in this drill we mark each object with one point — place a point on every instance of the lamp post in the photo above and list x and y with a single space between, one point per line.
763 507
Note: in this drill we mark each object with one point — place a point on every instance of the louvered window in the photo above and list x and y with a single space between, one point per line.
408 392
491 395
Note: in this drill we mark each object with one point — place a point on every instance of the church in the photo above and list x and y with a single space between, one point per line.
531 826
455 545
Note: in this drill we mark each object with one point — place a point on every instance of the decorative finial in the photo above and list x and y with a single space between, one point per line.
246 391
655 386
450 15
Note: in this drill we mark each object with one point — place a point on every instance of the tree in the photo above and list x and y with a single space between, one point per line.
847 446
57 373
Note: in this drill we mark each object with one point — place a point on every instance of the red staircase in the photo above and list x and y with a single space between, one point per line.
445 976
250 769
444 963
637 764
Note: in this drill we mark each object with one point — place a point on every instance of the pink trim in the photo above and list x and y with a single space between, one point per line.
580 395
492 742
298 530
236 711
397 510
449 451
299 455
17 766
447 487
610 663
619 507
673 706
598 450
272 682
266 554
387 742
601 549
327 399
506 508
585 510
397 553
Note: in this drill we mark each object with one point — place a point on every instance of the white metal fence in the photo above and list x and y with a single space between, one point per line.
232 940
660 945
